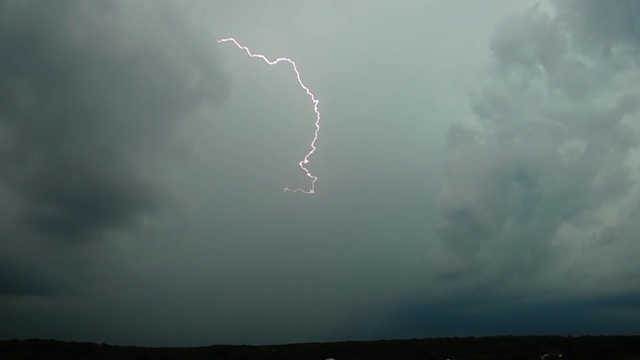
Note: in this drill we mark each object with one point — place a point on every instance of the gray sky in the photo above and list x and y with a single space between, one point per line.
477 162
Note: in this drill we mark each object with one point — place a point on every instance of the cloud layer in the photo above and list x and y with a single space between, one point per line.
140 183
89 95
548 169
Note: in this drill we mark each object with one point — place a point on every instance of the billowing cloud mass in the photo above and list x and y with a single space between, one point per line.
478 167
541 189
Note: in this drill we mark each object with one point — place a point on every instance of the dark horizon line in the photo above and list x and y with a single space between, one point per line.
387 340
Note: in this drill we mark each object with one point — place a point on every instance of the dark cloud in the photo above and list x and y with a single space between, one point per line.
89 93
608 28
21 280
86 91
475 317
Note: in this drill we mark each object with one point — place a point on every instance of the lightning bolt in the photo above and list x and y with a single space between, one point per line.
305 160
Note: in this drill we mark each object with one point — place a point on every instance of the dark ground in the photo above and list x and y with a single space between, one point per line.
503 347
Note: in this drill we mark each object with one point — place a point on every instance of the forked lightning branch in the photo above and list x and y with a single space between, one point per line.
305 160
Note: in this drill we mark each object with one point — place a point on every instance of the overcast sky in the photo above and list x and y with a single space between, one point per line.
478 165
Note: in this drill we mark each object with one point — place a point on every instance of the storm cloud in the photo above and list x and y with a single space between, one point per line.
89 95
549 165
477 162
84 95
